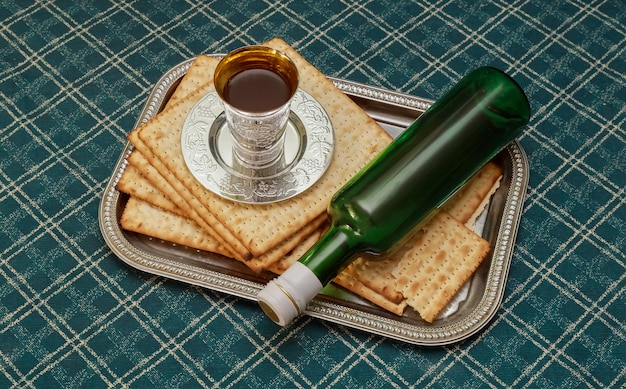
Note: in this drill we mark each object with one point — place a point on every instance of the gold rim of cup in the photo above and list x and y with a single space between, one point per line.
255 57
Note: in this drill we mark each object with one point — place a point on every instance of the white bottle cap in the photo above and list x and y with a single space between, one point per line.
287 296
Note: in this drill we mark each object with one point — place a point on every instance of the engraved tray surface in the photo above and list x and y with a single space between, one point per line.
471 310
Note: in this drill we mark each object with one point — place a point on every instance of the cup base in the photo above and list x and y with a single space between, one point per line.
222 149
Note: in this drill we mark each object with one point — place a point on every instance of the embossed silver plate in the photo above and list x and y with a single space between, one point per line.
207 150
471 310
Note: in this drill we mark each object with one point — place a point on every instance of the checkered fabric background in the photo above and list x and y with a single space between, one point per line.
73 78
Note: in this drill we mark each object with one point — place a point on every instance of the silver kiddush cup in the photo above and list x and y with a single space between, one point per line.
256 85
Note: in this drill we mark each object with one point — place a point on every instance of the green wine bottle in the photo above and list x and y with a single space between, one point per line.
395 193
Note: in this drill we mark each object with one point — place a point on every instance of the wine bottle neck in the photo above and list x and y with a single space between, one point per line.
331 253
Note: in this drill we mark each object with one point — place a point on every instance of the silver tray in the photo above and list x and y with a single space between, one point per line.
472 308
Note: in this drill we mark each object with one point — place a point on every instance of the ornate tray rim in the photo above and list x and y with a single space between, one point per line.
322 307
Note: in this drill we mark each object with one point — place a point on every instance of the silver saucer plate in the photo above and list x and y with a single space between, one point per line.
207 150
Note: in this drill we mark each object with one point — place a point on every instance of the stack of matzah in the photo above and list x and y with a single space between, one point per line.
167 202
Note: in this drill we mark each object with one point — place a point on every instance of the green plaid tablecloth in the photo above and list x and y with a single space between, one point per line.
74 76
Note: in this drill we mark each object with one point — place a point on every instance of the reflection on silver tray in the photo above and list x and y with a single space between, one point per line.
207 151
470 311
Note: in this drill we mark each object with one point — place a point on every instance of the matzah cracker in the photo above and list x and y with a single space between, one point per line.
351 283
261 227
444 258
144 218
376 275
134 184
147 165
199 72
